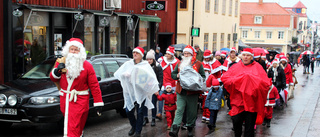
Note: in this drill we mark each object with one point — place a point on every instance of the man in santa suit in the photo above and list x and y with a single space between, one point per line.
232 59
213 63
75 85
168 63
248 85
289 79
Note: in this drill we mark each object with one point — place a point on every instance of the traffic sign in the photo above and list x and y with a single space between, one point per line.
195 32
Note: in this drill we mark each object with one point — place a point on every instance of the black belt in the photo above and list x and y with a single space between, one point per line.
271 98
170 104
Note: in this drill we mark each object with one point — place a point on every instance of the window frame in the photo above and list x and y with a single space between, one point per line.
230 7
255 20
246 36
280 36
214 41
222 40
207 6
206 41
224 6
216 6
183 9
255 34
236 6
269 32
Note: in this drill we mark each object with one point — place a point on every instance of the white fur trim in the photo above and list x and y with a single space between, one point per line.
246 52
168 87
256 56
139 51
263 57
275 62
215 86
291 84
223 55
206 69
188 50
170 53
55 76
208 56
98 104
219 79
283 60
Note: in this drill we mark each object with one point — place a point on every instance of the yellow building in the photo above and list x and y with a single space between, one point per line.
218 21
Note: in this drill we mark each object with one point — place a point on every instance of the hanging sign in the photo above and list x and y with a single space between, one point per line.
155 5
78 16
104 22
17 13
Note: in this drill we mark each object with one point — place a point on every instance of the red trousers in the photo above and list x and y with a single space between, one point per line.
77 115
268 110
170 116
206 111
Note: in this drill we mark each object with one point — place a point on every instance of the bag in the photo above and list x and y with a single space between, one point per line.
191 80
222 103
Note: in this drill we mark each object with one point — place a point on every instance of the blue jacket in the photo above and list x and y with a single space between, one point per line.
213 100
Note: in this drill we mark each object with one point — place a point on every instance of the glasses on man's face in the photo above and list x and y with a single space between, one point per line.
187 53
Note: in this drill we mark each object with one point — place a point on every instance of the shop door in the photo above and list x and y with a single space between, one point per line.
164 42
59 39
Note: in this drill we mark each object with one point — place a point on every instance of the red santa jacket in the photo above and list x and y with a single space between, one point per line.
167 68
288 71
215 67
273 94
86 80
170 100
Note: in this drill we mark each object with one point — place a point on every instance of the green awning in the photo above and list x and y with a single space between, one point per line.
149 18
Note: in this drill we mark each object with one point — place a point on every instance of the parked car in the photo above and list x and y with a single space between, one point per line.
35 98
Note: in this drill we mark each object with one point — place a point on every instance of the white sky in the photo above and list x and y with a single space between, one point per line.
312 6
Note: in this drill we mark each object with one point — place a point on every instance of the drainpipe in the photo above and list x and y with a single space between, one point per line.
192 22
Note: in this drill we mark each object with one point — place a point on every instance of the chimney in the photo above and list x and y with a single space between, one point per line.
260 2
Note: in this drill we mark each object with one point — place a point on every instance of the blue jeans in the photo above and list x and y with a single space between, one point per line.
154 110
136 123
160 103
213 117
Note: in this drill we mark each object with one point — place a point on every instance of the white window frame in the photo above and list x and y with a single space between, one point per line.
258 20
280 34
245 34
269 33
257 34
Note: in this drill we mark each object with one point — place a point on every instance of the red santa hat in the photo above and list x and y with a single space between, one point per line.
264 56
74 42
223 53
207 54
233 49
281 54
283 58
247 51
167 85
215 83
275 61
170 50
277 56
206 67
257 55
139 50
189 49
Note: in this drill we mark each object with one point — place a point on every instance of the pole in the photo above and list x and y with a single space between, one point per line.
312 37
192 23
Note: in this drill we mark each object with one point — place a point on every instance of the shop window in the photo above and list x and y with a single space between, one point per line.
115 35
144 35
89 34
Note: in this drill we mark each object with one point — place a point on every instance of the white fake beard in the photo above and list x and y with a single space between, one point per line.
74 65
185 62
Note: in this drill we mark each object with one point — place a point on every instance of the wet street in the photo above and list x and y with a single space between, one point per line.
299 119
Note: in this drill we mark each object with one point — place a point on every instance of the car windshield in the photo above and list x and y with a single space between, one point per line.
40 71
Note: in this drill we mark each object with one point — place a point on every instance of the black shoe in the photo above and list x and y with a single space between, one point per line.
153 122
131 132
190 129
268 122
174 131
137 135
264 122
145 121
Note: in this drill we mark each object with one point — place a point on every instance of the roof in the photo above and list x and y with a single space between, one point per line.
299 5
265 8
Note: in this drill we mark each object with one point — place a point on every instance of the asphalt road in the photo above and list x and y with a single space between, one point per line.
299 119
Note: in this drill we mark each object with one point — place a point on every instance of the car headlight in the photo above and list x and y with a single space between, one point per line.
3 100
44 100
12 100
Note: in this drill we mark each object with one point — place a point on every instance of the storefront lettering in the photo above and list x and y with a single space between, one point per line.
254 40
154 5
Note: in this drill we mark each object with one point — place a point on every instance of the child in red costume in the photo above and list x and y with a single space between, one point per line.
271 101
170 106
206 112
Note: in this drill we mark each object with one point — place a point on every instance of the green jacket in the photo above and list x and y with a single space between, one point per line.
200 55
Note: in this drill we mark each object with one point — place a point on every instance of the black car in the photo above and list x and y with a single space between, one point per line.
35 98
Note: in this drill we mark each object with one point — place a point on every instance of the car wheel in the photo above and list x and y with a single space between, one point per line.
122 112
5 125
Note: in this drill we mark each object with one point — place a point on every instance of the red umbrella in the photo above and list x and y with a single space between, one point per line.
307 52
260 51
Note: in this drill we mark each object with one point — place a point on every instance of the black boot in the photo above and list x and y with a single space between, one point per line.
264 122
153 122
174 131
131 132
190 129
268 122
145 121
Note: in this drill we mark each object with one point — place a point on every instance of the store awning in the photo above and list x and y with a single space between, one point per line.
122 14
100 13
149 18
50 9
242 45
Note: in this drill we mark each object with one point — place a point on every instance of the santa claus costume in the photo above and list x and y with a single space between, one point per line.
271 101
214 64
75 85
206 112
170 99
289 79
230 61
268 64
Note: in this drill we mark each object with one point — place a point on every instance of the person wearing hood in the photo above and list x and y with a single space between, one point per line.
158 71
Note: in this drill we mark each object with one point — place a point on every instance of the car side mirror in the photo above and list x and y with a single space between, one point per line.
99 78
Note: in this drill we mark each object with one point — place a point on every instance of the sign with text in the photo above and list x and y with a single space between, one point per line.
195 32
155 5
